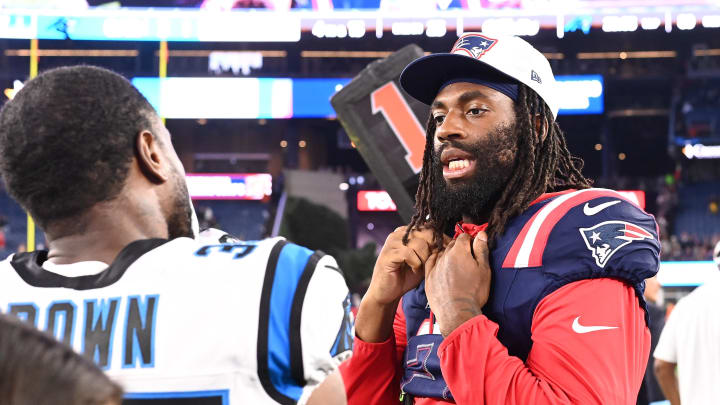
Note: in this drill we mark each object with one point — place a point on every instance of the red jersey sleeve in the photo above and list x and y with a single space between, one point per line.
372 375
590 346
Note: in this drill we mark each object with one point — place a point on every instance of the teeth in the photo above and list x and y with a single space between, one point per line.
458 164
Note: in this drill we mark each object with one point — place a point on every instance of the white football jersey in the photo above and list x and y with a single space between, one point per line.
194 321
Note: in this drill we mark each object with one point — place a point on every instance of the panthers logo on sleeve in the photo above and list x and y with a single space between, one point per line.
606 238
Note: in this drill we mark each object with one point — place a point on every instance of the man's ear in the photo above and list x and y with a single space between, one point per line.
150 157
541 127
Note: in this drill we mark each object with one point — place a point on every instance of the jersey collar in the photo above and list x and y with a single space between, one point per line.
473 229
28 266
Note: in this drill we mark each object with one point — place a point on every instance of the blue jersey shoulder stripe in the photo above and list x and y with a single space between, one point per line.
296 358
286 266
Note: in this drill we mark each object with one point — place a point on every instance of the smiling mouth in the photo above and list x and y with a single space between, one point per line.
458 168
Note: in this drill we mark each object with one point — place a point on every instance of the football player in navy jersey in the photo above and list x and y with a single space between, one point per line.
538 297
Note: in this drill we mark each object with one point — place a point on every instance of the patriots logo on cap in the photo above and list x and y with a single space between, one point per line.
474 45
606 238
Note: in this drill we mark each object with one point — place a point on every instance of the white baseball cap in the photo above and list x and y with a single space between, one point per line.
487 58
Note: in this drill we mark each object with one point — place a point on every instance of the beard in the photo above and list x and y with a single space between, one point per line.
179 220
476 196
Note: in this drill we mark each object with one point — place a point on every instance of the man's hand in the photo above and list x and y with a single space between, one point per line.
457 281
398 269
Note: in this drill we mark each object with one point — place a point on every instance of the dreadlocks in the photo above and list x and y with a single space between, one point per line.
541 165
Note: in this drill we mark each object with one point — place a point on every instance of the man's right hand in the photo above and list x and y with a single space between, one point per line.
398 269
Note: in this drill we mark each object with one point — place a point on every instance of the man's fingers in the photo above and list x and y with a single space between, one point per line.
480 248
412 260
394 238
450 245
421 248
463 241
430 263
426 234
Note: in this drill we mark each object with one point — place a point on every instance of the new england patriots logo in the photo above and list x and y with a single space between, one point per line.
473 45
606 238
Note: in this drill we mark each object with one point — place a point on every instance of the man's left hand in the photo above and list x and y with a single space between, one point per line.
457 281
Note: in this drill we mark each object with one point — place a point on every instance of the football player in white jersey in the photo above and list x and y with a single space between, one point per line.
174 320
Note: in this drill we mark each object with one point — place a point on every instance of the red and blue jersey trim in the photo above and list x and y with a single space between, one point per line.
528 248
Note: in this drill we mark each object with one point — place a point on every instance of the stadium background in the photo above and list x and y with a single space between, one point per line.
247 102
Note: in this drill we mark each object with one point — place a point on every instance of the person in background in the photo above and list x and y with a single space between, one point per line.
650 390
690 342
35 369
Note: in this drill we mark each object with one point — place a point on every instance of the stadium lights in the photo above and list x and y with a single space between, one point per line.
686 21
625 23
356 28
103 53
582 23
283 98
706 52
511 26
650 23
711 21
237 62
580 93
627 55
229 186
407 28
321 29
345 54
129 53
436 28
207 53
159 24
700 151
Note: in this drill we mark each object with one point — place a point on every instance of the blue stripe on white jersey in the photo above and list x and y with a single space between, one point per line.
288 270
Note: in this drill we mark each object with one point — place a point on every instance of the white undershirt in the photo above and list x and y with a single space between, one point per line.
75 269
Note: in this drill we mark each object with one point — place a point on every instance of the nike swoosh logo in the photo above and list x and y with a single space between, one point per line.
577 328
590 211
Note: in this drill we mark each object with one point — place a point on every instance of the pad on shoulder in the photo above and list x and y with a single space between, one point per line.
587 229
